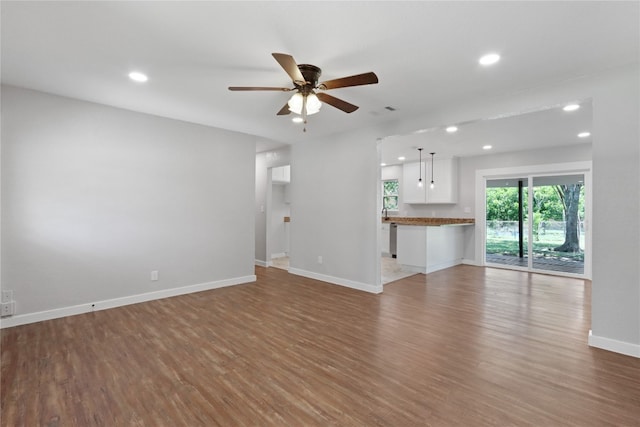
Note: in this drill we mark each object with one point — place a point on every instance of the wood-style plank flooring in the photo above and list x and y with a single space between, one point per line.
466 346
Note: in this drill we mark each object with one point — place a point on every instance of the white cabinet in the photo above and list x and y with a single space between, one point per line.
281 175
410 191
425 249
412 247
445 247
445 177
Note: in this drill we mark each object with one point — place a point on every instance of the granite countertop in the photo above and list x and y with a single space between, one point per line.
404 220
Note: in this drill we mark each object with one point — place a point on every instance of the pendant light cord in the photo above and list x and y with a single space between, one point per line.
432 154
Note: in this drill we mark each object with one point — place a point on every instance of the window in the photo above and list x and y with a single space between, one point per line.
390 195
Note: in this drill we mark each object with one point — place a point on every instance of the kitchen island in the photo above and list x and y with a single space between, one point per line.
425 244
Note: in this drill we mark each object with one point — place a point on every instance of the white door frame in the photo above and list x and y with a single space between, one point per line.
529 172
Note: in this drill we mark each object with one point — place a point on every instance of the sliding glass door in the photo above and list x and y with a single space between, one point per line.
558 225
536 223
507 221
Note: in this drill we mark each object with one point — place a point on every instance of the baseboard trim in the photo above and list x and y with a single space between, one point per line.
443 265
471 262
337 281
23 319
414 268
261 263
278 255
615 346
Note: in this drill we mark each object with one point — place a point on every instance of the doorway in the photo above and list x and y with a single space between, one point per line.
278 221
538 222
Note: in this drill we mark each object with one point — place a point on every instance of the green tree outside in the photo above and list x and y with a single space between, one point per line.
552 205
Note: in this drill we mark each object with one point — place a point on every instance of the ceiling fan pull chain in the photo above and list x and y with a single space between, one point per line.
304 112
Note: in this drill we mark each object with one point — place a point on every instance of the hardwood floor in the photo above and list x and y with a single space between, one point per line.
466 346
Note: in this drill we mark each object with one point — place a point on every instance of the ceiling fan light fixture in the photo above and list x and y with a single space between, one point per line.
313 104
297 101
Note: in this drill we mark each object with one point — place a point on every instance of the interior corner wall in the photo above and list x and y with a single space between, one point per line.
265 161
335 211
615 310
94 198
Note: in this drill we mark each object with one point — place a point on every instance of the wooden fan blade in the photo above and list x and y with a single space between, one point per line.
284 110
245 88
357 80
338 103
289 64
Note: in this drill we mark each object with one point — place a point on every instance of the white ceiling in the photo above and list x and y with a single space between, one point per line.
424 53
552 127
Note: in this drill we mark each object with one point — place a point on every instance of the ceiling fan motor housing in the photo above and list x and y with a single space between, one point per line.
311 74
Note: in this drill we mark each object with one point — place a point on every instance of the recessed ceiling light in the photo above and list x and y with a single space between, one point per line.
584 134
297 119
452 129
487 147
571 107
489 59
383 164
401 158
138 77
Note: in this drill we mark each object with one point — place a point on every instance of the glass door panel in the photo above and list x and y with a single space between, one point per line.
507 233
558 223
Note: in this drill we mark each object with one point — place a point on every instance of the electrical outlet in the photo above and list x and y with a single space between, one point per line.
7 309
154 275
319 259
7 296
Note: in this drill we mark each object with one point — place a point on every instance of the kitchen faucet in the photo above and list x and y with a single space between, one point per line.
386 214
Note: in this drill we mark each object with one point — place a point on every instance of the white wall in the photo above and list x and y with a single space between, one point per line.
95 197
615 311
335 210
264 162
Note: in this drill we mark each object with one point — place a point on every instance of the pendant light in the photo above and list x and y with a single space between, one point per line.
420 168
432 184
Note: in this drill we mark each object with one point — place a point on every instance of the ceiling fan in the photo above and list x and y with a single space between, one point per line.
309 94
